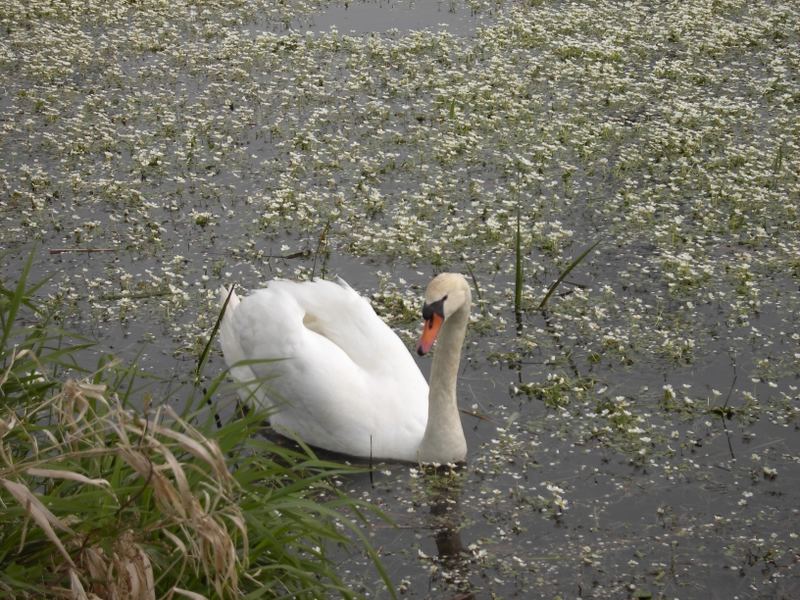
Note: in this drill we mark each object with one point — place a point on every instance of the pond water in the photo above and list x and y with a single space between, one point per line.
638 437
383 16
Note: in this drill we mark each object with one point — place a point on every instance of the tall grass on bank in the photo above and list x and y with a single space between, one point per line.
100 501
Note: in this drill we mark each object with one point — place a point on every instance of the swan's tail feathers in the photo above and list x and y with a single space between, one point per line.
247 386
232 303
343 283
229 302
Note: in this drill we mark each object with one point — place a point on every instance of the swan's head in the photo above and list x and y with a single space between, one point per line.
447 293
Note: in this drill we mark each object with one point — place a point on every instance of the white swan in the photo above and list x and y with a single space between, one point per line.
337 377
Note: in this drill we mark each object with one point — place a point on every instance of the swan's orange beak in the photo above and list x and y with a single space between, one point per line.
429 332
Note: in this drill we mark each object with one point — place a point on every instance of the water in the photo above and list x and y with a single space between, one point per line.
639 439
381 17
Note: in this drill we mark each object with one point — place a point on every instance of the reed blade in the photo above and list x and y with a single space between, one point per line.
518 274
201 362
566 272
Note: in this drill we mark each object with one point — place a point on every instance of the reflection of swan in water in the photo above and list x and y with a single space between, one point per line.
444 494
338 377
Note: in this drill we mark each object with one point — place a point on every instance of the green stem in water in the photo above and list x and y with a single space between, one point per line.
518 271
566 272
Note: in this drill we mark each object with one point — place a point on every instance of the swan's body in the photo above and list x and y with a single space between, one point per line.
337 377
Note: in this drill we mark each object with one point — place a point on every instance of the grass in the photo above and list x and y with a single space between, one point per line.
100 500
564 274
519 275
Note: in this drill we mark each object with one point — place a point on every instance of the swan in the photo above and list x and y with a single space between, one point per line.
334 375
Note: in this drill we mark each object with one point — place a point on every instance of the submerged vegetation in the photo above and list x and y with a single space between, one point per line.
638 436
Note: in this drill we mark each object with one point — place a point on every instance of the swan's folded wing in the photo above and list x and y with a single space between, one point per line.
338 313
339 377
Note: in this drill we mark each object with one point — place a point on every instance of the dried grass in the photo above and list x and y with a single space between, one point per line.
204 530
39 513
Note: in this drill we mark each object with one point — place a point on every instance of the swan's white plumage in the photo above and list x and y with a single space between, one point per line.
334 372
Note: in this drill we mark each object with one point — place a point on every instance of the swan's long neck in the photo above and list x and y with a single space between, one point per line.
444 440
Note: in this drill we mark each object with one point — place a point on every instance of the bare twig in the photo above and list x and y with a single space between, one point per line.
84 250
